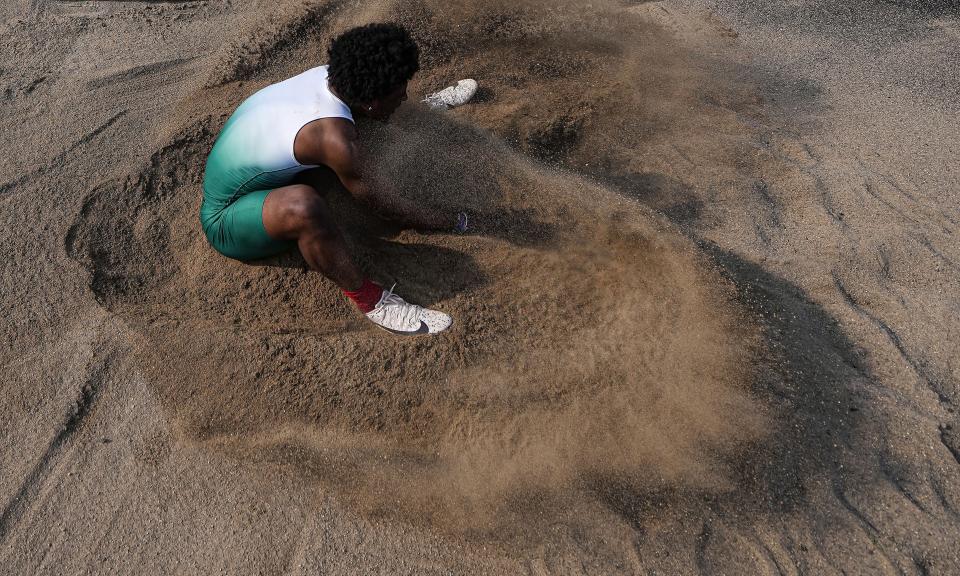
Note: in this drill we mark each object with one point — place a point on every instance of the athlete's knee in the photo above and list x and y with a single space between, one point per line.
303 205
309 210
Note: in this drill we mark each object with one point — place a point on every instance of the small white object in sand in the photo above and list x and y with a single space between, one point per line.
452 96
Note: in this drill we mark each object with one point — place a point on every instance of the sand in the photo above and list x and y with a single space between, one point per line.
707 321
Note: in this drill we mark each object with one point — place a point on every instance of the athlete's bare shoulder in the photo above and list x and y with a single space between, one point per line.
325 141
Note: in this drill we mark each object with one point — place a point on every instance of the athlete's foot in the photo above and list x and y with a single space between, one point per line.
394 314
452 96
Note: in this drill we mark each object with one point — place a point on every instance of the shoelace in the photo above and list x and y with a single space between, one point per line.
400 307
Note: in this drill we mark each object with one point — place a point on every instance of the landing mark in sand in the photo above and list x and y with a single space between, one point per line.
768 555
875 189
936 486
59 158
869 529
773 210
34 480
890 472
703 538
932 383
945 430
925 242
138 71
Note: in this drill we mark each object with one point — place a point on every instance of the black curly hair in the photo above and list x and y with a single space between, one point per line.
369 61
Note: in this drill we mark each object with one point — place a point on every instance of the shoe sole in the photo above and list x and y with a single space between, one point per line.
424 329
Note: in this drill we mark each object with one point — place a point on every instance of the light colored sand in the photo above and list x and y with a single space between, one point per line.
748 210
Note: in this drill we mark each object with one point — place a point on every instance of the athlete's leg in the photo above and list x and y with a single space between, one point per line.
298 212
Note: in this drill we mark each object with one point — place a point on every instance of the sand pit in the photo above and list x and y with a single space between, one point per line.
655 364
592 342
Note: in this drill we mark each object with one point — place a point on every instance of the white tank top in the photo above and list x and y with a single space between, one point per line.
258 138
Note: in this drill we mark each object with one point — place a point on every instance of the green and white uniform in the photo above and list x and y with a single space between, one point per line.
254 155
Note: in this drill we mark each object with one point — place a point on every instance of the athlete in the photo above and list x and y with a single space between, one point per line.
251 207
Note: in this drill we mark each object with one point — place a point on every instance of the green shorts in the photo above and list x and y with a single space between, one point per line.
237 231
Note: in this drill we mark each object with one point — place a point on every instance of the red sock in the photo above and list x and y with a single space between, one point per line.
366 297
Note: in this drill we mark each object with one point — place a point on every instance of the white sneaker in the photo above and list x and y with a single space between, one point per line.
394 314
452 96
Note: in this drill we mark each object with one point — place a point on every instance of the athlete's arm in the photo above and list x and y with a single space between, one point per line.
343 156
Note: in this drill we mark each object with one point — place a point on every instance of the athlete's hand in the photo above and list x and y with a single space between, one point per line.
463 223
